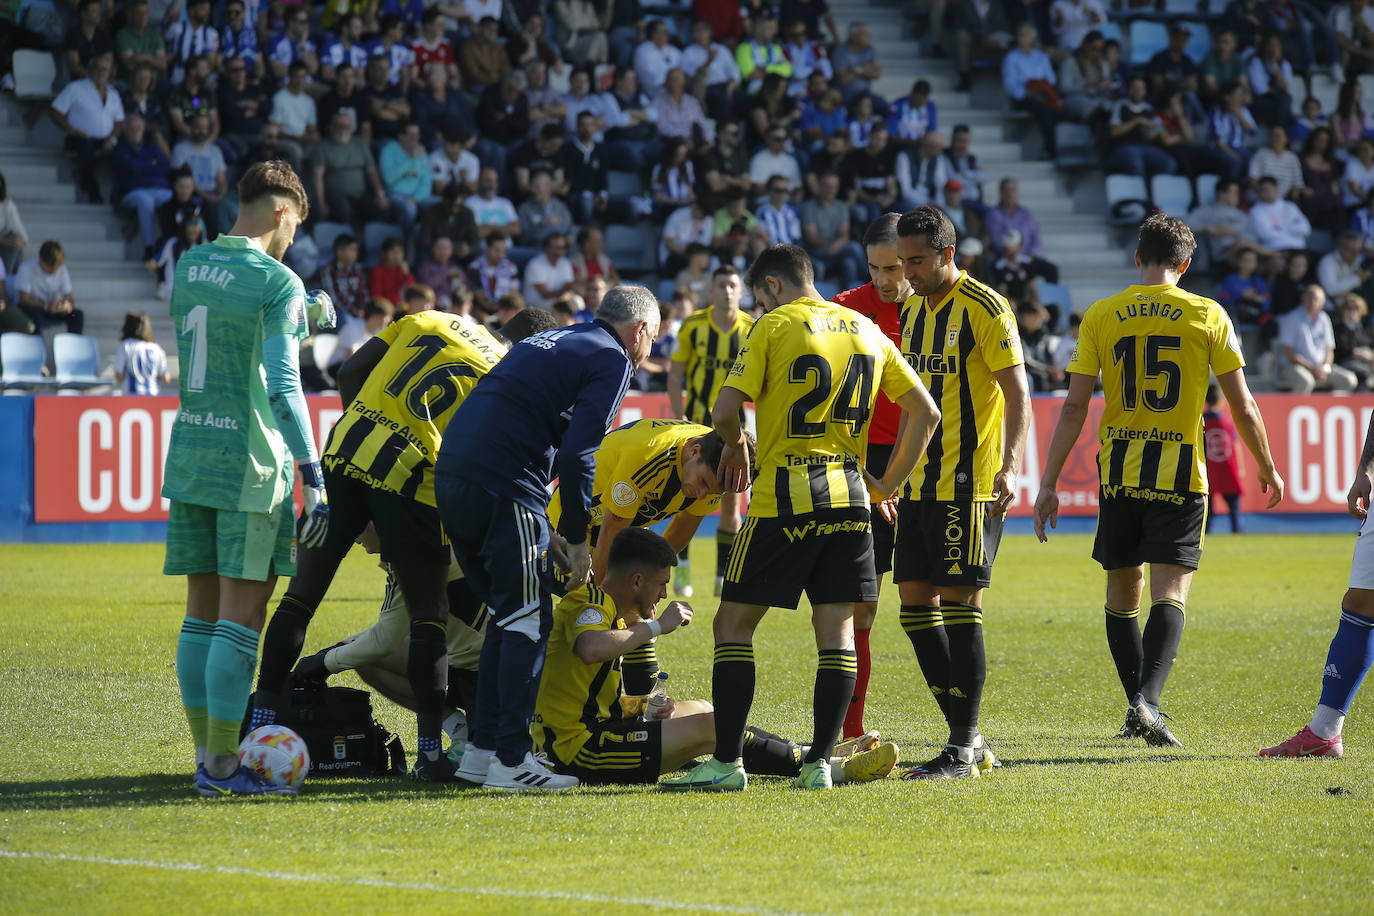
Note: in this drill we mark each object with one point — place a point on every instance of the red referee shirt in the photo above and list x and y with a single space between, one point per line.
886 315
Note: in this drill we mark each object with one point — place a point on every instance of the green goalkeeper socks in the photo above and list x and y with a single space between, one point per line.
193 646
228 680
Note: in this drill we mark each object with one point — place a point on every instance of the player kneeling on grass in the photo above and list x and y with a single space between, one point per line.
587 726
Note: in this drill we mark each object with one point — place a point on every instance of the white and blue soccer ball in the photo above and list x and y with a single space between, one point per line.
277 753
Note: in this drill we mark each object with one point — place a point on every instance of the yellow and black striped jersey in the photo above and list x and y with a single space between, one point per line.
1154 346
639 475
573 694
389 436
707 353
813 370
955 346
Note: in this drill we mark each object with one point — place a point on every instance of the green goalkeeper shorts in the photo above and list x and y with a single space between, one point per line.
236 545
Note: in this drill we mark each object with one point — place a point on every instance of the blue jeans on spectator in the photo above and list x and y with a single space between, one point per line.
75 320
845 267
146 201
1045 118
407 209
623 40
1139 159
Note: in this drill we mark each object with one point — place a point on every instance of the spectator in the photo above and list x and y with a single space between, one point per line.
777 215
584 169
1223 461
440 273
1307 342
265 149
1271 79
13 235
695 278
294 46
1135 136
494 275
724 16
193 96
1063 353
680 114
1248 20
1221 65
450 218
542 154
1358 177
190 234
140 364
1342 270
347 49
712 69
387 108
417 298
968 257
1320 193
655 56
590 259
965 220
1350 122
454 162
761 54
672 182
89 112
347 186
549 275
774 160
243 106
1117 68
186 205
391 275
43 289
1009 214
542 214
771 108
1287 288
11 319
582 30
492 213
860 124
503 112
1017 275
1278 223
1037 348
726 167
432 51
1029 81
736 234
377 314
342 278
1354 25
580 99
910 118
142 178
1172 69
238 40
1353 339
507 307
1363 223
806 55
685 227
822 112
546 105
1072 20
204 159
406 176
391 43
1225 230
856 62
922 173
1179 141
294 111
873 168
1084 83
1244 293
141 96
440 111
1232 130
809 14
138 44
192 38
981 30
963 165
482 58
825 228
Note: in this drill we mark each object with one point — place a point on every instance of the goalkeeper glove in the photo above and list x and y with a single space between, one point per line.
320 308
314 520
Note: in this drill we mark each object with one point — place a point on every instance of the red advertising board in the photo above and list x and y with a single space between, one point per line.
100 458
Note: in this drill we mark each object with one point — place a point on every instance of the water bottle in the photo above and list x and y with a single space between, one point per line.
658 697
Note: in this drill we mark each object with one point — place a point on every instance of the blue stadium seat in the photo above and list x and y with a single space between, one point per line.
665 291
1056 294
1199 41
626 246
1128 200
1147 39
1110 30
76 360
1172 193
324 235
374 235
1076 146
623 186
1207 189
827 290
22 356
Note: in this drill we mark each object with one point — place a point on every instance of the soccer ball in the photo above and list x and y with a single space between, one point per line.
277 753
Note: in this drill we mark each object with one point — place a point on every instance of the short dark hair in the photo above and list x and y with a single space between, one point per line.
388 22
1165 241
1268 179
297 67
640 548
430 15
696 248
418 292
931 222
343 240
1225 184
788 263
391 242
712 446
725 270
274 178
551 130
883 230
50 252
528 322
378 306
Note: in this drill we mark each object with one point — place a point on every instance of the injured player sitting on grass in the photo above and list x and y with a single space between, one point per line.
587 726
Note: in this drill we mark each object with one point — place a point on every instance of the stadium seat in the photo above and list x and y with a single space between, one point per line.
323 347
1199 40
1111 30
1180 7
1147 39
1207 189
623 186
1056 294
34 73
1077 147
324 235
1321 242
1326 91
1172 193
76 360
665 291
374 234
828 291
1366 85
1128 200
626 246
22 357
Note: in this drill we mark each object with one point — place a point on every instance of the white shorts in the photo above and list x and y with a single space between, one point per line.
1362 567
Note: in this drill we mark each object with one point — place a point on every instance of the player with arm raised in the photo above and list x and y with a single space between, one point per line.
961 338
812 369
240 315
708 343
1155 346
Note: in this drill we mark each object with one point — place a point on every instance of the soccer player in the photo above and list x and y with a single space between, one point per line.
240 315
961 338
402 389
880 301
812 369
558 391
587 725
1154 345
708 343
1352 649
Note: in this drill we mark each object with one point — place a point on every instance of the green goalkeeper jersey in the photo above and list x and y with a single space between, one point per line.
227 450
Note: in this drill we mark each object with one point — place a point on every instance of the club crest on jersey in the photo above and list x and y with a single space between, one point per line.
623 494
952 337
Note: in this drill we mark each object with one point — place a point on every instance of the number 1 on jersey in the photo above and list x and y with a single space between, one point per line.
194 324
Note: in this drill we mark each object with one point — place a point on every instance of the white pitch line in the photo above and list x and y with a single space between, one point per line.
394 885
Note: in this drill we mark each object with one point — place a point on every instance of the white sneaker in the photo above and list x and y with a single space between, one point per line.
475 763
161 292
533 773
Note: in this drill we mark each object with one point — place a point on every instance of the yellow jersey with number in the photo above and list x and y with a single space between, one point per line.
389 436
813 370
639 475
707 353
1154 347
956 345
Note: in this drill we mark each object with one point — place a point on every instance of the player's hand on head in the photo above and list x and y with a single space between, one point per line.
1046 510
314 521
1357 500
676 614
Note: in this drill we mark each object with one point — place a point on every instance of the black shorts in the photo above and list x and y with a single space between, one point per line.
884 532
1136 526
619 751
409 531
826 554
946 542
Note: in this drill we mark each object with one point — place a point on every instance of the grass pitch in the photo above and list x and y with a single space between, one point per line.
97 814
